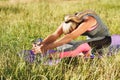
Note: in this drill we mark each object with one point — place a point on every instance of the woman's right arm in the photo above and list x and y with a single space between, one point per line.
48 40
52 37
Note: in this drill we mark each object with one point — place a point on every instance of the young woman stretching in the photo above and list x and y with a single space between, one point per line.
86 23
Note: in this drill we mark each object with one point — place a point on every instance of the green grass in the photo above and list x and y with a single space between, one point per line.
21 23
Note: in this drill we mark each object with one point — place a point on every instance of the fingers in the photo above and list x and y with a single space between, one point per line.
39 49
36 49
43 49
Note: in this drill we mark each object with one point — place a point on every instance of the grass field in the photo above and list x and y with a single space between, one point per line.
23 21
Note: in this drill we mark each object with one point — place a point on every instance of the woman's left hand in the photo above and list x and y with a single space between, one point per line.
36 49
43 49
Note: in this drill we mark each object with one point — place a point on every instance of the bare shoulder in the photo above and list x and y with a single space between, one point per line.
88 18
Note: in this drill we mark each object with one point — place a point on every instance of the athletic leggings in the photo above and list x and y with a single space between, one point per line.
102 43
96 44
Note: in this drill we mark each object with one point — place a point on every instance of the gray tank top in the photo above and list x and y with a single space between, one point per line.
100 31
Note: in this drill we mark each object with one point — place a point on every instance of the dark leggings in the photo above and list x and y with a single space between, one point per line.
95 43
98 44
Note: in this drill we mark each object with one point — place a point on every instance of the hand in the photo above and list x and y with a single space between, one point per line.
36 49
43 49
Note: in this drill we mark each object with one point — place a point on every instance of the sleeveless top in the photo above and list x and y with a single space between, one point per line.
101 29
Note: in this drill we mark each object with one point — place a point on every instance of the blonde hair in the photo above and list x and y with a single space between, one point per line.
78 16
72 21
69 27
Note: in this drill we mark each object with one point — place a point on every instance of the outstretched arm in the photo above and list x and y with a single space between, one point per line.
52 37
83 27
48 40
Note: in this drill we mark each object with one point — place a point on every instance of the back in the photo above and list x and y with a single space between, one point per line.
101 29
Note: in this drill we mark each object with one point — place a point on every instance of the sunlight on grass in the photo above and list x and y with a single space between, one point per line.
25 20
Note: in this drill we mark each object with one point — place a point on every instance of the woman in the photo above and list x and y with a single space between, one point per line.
86 23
